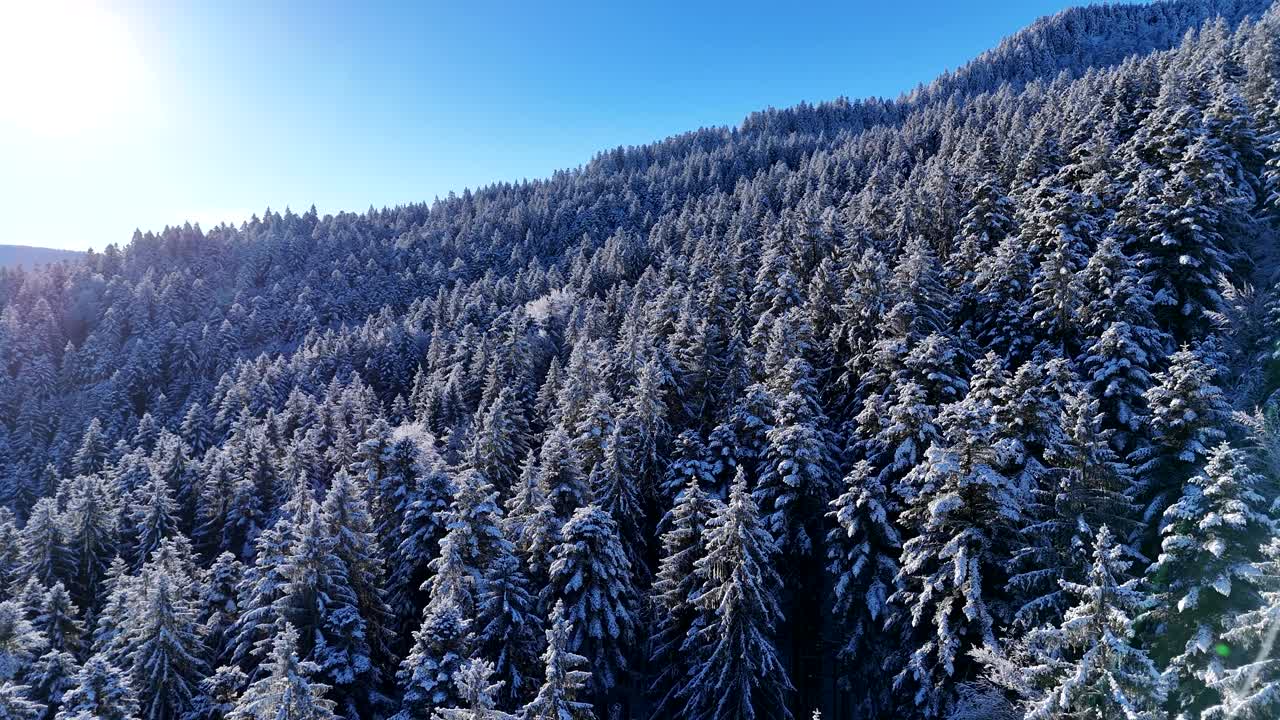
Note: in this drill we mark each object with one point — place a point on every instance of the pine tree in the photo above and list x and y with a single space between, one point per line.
1250 685
441 645
50 678
965 516
45 555
563 683
154 517
218 694
862 553
167 658
286 691
219 609
317 598
507 626
20 640
501 439
1206 572
1088 667
1187 414
346 519
592 576
90 526
59 620
101 692
15 705
478 692
1085 487
738 673
674 587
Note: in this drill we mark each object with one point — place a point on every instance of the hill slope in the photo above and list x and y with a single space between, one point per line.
25 255
811 413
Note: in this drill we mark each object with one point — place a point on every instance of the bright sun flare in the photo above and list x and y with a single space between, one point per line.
66 66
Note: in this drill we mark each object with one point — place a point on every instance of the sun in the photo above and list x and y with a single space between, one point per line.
66 66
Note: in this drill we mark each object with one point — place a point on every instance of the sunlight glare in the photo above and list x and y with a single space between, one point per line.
66 66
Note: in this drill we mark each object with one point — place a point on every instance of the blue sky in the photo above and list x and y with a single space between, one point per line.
149 113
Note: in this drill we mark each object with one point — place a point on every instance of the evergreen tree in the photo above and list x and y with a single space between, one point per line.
965 516
167 658
15 705
478 692
1089 666
738 673
101 692
862 553
45 555
674 588
592 576
1206 572
286 691
49 679
1250 685
20 640
59 620
1187 414
563 683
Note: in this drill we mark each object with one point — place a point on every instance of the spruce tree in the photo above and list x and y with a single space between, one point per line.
286 690
101 692
563 682
592 576
1206 572
1088 667
738 673
167 656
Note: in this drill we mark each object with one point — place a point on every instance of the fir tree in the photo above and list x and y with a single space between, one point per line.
738 674
1089 666
101 692
674 588
592 576
563 683
167 656
478 692
1206 572
286 691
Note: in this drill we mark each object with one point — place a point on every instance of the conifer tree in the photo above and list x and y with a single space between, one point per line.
965 515
739 674
1206 572
45 555
167 656
592 576
563 683
479 693
1089 666
674 588
59 620
286 690
862 553
49 679
1249 687
101 692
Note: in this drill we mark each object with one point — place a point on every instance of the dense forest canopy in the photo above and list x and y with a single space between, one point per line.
960 405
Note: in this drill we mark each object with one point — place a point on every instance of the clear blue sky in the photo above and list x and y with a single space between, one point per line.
154 112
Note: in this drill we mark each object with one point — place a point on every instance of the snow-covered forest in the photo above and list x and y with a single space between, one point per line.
961 405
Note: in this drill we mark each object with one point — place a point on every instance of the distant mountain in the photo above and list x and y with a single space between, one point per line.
29 257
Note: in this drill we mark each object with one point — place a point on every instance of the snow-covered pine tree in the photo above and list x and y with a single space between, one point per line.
675 586
1206 573
738 674
167 654
49 679
1088 487
101 692
862 554
20 640
1187 417
153 517
16 705
45 555
564 685
1249 686
346 518
59 621
1089 666
286 690
218 607
479 693
965 516
592 576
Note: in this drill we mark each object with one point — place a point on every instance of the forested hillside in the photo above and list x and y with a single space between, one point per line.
30 257
953 406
